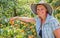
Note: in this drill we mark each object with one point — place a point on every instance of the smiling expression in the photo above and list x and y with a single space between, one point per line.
41 10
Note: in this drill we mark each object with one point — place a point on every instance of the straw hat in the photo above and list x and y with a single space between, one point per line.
49 8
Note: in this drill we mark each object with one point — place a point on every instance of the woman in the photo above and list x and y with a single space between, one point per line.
46 25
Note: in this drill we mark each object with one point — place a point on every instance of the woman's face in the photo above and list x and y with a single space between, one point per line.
41 11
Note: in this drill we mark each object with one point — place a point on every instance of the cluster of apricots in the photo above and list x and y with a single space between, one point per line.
26 28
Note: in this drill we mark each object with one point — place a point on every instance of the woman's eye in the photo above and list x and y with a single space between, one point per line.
37 9
42 9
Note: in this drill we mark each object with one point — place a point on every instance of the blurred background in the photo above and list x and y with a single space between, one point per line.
18 28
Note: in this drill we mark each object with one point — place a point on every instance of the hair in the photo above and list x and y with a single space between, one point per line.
41 4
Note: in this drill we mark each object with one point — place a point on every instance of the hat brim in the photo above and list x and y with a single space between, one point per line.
49 8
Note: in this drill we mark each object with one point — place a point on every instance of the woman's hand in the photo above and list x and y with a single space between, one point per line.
12 20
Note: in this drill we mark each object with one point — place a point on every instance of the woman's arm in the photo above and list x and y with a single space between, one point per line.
57 33
25 19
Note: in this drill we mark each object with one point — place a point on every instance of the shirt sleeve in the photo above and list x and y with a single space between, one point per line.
55 24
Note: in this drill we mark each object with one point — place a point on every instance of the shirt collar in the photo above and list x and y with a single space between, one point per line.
47 18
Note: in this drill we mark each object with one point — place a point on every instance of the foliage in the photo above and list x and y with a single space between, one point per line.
18 28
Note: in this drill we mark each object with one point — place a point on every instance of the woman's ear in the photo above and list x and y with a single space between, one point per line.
46 11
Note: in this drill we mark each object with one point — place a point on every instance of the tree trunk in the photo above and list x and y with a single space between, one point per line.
15 14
